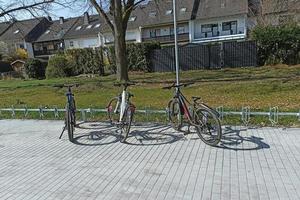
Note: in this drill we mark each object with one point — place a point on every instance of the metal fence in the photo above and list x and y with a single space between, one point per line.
195 57
245 113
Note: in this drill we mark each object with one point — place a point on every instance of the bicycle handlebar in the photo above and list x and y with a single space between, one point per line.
178 86
123 84
67 85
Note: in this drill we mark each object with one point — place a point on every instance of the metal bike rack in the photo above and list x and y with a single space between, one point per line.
273 116
246 115
56 113
41 111
13 113
220 110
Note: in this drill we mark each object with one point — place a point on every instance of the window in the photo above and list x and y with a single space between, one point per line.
132 19
16 31
182 10
97 25
210 30
152 14
71 44
78 28
47 32
89 27
154 33
230 26
180 30
169 12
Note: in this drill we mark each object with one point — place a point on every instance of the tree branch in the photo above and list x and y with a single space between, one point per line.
102 13
24 7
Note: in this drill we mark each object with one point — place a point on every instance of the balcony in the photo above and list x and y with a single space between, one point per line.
183 37
45 52
219 36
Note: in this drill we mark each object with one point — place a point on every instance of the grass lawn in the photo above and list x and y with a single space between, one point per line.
259 88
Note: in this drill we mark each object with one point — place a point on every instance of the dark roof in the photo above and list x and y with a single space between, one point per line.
155 13
89 30
4 26
56 30
219 8
271 6
21 29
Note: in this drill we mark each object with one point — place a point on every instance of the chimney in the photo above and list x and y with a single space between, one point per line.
61 20
86 18
49 18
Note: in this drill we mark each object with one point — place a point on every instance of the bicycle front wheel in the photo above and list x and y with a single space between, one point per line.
113 110
174 114
208 126
126 121
69 121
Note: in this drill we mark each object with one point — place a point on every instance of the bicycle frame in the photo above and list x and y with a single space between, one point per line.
184 110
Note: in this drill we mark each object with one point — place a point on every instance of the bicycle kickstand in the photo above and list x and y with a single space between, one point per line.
62 132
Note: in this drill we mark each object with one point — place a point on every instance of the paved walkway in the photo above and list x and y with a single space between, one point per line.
158 163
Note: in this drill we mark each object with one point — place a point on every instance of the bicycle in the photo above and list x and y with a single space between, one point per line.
197 114
121 111
70 113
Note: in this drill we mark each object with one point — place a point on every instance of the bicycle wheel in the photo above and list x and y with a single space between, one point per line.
126 121
69 122
113 110
174 114
208 126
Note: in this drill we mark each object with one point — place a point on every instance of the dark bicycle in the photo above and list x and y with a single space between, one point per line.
197 114
120 110
70 113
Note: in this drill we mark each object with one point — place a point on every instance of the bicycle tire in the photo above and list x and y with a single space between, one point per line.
111 107
68 123
174 114
207 123
126 122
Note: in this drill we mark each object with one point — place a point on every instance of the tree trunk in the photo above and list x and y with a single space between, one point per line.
121 59
120 42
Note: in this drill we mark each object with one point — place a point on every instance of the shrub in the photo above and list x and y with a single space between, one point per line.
58 66
86 61
137 56
21 54
35 69
278 44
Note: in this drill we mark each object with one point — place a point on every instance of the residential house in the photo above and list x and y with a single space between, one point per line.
158 22
51 41
4 26
218 20
92 31
21 34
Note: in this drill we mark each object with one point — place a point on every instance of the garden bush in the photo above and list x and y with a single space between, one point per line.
58 66
35 68
86 61
278 44
137 56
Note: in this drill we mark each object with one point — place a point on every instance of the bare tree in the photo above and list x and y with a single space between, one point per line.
116 14
13 6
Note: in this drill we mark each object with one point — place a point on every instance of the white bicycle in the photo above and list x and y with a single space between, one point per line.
120 110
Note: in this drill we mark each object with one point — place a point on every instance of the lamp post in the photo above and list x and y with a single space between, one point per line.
176 44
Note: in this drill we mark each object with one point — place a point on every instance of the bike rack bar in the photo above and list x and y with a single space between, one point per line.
246 115
273 115
220 110
13 113
56 113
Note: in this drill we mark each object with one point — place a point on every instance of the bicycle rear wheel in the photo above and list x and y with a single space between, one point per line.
174 114
208 126
126 121
113 110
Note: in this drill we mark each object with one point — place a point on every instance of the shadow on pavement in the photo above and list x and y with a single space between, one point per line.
155 135
233 140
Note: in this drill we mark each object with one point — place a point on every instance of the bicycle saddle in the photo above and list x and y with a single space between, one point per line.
196 98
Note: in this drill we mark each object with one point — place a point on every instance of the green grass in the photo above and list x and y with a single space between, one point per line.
259 88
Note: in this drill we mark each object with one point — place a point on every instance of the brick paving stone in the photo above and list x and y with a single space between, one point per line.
157 163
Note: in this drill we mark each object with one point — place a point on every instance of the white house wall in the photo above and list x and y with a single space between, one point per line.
82 43
197 35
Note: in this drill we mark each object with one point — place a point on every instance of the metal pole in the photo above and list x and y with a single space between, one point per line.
176 44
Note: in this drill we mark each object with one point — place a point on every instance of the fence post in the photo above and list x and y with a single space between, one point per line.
25 111
222 55
41 112
56 114
13 113
246 115
220 110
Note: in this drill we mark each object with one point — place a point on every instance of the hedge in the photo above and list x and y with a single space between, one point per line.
278 44
35 68
137 56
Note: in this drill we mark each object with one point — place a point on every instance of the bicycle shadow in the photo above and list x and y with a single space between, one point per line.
153 135
105 136
233 139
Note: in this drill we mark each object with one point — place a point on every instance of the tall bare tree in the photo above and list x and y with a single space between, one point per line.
10 7
116 14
